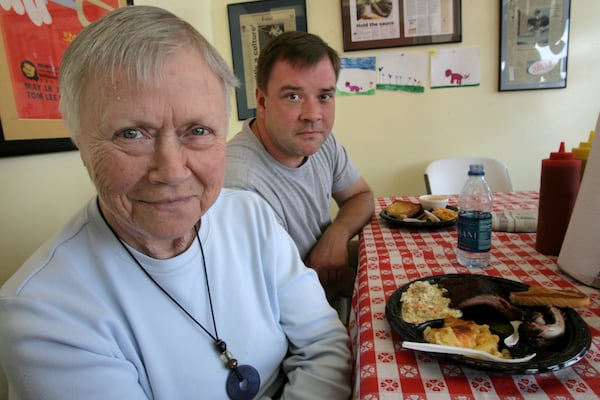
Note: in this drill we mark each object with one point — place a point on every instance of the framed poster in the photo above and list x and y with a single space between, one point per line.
534 44
372 24
251 26
33 38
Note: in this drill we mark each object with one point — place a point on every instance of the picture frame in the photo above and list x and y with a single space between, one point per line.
398 23
251 26
30 122
534 44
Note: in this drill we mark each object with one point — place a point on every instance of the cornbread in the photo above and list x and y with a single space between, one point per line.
467 334
403 209
423 301
445 214
541 296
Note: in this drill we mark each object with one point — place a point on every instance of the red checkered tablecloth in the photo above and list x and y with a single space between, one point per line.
390 257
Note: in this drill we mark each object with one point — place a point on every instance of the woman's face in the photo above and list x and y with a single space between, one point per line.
156 155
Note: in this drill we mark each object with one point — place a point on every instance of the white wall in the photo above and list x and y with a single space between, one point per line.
393 135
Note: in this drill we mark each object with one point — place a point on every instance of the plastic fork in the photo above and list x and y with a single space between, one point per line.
479 354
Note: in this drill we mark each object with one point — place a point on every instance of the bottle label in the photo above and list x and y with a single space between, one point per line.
475 231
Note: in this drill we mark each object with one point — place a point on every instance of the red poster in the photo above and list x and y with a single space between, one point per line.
35 37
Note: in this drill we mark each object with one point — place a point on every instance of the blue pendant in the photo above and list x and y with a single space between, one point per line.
243 383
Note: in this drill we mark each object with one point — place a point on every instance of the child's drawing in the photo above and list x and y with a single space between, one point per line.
357 76
455 68
402 71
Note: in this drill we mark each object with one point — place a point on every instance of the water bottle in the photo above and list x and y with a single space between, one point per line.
475 220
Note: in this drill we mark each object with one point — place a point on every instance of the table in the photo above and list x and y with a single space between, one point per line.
390 257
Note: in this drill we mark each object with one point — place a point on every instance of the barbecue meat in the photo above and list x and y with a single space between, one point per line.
543 328
478 291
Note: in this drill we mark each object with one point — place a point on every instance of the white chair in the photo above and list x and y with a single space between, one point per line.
448 175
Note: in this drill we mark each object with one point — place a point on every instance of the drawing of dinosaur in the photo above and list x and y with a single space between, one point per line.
456 78
353 88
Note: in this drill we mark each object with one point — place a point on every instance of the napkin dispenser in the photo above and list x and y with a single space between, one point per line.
580 253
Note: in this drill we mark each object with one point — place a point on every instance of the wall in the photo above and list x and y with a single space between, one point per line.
393 135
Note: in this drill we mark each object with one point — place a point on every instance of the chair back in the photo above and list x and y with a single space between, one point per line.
448 175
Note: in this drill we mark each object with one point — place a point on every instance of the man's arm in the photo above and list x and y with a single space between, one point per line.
329 256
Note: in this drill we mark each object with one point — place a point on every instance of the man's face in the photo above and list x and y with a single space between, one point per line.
296 112
157 155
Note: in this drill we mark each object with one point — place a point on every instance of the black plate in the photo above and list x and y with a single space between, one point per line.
568 351
418 225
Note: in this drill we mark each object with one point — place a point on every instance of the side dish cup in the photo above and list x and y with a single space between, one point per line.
431 201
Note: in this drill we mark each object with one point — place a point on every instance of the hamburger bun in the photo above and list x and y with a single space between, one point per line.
541 296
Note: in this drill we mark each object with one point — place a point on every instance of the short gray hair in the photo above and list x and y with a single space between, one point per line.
132 42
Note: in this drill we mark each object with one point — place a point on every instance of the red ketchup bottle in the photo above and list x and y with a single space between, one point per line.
559 185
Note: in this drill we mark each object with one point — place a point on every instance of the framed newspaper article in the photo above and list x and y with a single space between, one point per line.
371 24
534 44
251 26
33 39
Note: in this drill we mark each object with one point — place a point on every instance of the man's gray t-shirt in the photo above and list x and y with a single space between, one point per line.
301 197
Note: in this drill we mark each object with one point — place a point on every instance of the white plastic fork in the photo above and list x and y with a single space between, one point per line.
512 340
483 355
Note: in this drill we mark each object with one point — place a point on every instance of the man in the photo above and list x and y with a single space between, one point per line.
289 156
163 286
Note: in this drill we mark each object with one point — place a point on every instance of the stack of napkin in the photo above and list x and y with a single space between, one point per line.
515 221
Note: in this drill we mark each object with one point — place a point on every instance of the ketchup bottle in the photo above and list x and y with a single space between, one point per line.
559 185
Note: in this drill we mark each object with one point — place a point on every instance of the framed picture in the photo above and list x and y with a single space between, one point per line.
32 42
371 24
534 44
251 26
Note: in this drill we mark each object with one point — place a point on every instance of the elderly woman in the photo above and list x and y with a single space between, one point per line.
164 286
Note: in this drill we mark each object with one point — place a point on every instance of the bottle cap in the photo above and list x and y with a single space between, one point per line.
476 169
583 151
561 154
